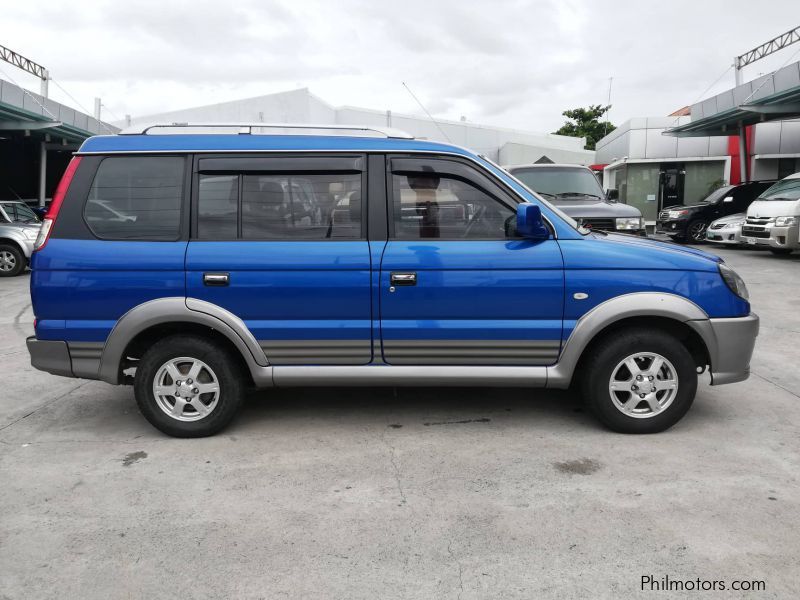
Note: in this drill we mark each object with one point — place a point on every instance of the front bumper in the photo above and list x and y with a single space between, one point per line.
771 236
735 339
731 235
672 227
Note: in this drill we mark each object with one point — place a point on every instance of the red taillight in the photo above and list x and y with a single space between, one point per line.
55 205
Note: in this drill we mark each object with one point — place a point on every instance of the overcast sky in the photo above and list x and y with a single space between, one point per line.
512 63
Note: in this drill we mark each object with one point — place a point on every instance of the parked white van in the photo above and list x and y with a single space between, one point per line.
773 219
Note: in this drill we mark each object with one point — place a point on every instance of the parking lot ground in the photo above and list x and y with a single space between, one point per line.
426 493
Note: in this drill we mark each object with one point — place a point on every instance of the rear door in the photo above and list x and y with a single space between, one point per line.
280 242
457 287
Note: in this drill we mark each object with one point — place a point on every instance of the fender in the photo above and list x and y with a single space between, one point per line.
179 309
639 304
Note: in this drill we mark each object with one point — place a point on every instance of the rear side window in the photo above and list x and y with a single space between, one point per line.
278 206
136 198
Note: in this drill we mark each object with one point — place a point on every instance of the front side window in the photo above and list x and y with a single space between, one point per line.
136 198
280 206
427 205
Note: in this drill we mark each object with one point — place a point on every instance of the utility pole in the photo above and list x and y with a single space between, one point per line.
97 107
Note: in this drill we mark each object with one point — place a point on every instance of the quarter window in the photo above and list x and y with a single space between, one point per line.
428 205
136 198
280 206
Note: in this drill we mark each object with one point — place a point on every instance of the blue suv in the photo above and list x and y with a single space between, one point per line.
195 264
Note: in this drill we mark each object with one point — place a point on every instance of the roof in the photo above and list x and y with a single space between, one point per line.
773 96
545 166
249 143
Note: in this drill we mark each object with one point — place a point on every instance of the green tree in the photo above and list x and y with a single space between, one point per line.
585 122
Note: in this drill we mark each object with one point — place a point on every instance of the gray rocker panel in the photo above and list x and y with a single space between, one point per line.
471 352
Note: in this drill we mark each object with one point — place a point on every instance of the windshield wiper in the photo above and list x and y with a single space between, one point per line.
562 194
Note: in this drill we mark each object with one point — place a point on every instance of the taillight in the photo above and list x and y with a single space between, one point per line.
55 205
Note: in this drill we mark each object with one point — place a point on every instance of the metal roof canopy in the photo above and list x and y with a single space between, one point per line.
770 97
773 96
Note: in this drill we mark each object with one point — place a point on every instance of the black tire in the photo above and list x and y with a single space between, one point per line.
225 368
602 361
781 251
10 253
696 231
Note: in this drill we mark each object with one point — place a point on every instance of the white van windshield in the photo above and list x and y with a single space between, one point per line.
788 189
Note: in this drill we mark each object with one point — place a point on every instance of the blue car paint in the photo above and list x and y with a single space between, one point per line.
467 290
80 288
479 290
288 290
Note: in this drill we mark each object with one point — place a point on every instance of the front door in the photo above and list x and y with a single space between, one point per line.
280 243
457 287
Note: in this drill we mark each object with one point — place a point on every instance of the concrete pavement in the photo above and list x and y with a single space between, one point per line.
429 493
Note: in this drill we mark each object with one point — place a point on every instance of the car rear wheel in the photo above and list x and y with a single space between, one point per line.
12 261
188 386
639 381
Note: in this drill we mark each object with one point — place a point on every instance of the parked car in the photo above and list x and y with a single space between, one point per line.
773 220
19 227
311 260
689 223
576 191
727 230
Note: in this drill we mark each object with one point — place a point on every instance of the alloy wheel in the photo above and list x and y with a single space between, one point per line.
186 389
643 385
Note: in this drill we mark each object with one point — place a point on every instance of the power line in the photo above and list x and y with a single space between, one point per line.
705 91
426 111
27 93
81 106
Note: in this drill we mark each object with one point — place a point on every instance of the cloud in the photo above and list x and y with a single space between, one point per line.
513 63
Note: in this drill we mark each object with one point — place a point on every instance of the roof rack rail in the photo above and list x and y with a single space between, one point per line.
247 128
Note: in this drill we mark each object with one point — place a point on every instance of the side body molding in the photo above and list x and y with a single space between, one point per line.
179 309
639 304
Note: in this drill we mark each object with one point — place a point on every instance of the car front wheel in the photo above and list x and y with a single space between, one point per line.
639 381
188 386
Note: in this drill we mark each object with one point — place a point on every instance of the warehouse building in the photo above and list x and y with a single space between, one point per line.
37 139
505 146
750 132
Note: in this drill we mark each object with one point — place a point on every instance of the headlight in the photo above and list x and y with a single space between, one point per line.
629 223
30 234
785 221
677 214
733 281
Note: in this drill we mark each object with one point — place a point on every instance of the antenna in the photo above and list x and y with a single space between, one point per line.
426 112
610 80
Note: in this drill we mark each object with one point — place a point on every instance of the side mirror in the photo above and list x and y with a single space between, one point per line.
530 224
612 194
727 199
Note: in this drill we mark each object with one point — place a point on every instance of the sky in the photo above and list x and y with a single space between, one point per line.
509 63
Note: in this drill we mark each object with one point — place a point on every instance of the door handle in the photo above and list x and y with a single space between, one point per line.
216 279
403 279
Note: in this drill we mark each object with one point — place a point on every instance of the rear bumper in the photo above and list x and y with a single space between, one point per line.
50 356
736 338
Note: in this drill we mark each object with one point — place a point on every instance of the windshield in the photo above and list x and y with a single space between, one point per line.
717 195
559 182
563 216
788 189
